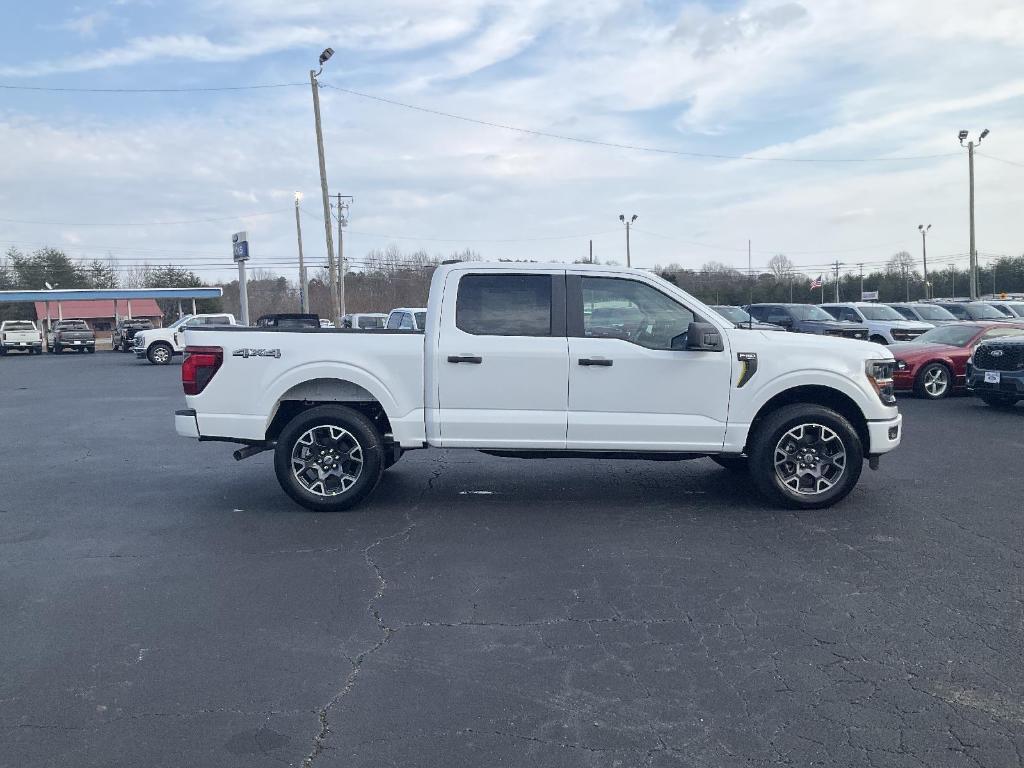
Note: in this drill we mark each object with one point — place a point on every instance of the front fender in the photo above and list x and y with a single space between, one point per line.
862 396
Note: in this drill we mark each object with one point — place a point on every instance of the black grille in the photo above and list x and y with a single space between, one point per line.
999 357
904 335
848 334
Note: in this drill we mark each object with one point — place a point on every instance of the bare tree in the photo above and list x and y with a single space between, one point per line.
781 266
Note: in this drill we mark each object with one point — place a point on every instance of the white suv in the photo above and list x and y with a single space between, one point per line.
885 324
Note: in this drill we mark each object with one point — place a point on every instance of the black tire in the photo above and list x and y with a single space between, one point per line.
124 346
770 434
159 353
90 350
879 340
3 351
732 463
934 382
360 431
1002 402
56 349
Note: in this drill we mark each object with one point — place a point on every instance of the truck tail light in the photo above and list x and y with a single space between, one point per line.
199 367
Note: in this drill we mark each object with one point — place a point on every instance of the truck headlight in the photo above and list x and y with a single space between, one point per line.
879 373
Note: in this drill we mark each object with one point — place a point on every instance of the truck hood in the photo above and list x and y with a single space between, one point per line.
831 345
906 325
912 350
838 325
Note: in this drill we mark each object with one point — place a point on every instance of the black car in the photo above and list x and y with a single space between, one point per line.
295 320
743 319
124 332
995 371
807 318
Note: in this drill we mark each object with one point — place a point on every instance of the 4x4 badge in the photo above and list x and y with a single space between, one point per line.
256 353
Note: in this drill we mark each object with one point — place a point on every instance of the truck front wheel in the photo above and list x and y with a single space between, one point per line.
805 456
329 458
159 353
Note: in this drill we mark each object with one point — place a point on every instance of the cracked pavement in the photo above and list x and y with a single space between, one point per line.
163 605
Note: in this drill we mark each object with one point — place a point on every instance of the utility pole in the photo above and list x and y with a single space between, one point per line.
835 268
970 168
924 256
342 209
332 275
628 224
750 278
591 251
303 284
861 267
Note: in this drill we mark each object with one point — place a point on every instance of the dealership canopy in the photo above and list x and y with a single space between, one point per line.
127 294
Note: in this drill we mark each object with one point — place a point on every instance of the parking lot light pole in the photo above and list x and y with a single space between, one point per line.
628 224
332 273
924 255
970 175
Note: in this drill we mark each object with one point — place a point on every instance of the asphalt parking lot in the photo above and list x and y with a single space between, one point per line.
163 605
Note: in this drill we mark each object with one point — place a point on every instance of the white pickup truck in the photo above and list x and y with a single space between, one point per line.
159 345
20 334
540 361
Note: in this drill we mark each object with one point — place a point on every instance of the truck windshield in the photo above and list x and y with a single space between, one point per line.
933 312
733 314
809 312
879 312
984 312
181 322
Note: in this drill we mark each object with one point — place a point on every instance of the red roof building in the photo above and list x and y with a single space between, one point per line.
100 315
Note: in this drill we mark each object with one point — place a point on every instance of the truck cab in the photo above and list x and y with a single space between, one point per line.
885 324
540 361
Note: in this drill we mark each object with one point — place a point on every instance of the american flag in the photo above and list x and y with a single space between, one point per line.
816 282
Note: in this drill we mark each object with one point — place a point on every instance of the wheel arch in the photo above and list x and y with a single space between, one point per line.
815 394
326 390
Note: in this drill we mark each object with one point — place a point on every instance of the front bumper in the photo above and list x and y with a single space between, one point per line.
185 423
1010 383
884 436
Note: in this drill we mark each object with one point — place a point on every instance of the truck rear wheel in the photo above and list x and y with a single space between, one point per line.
329 458
805 456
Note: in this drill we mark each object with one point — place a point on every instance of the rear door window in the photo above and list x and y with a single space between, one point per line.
504 305
394 320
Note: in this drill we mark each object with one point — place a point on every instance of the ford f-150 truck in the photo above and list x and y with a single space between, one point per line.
71 334
20 334
159 345
539 361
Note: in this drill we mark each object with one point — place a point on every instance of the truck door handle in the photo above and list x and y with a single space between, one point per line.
595 361
475 359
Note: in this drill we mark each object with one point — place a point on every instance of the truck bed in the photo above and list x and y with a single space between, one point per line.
383 365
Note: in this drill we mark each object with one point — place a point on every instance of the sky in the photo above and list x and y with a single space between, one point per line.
822 129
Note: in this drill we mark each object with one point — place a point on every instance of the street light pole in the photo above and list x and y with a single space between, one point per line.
303 284
924 256
628 224
332 275
970 166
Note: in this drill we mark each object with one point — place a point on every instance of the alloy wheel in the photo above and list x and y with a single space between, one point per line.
936 382
327 460
810 459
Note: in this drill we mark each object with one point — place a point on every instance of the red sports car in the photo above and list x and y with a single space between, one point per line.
934 364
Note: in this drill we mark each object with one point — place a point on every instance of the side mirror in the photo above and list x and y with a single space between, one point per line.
704 337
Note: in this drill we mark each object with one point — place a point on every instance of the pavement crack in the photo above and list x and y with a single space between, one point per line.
386 631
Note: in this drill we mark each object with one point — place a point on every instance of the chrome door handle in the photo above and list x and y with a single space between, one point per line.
595 361
475 359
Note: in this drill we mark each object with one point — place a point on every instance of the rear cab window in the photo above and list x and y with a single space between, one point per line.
505 305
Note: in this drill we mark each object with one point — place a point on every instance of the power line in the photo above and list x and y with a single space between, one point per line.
618 145
140 223
47 89
999 159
